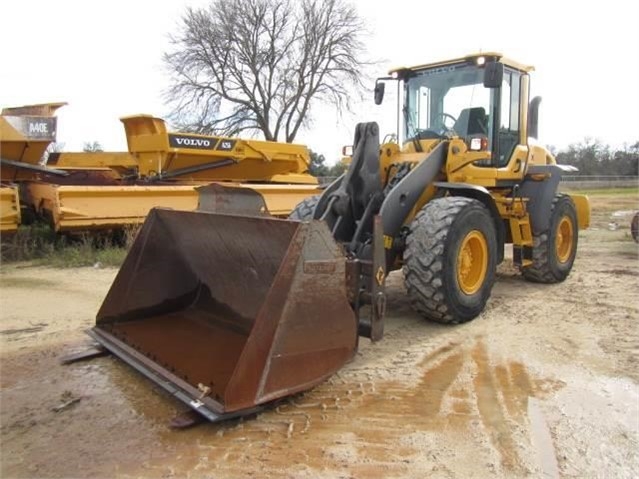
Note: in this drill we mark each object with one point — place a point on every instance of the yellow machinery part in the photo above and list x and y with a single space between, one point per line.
462 165
9 208
158 151
582 205
119 161
506 61
472 262
27 131
564 239
75 207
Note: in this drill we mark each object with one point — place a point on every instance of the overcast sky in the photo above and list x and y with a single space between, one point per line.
104 59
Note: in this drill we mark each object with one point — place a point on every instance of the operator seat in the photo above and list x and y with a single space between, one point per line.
471 121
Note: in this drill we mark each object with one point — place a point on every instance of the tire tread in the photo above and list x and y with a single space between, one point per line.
424 257
304 209
540 271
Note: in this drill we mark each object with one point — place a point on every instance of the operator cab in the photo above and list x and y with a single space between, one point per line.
477 98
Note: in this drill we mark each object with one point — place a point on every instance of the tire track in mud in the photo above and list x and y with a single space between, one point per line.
486 389
367 427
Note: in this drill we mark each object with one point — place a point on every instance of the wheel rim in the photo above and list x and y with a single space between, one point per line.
472 262
563 241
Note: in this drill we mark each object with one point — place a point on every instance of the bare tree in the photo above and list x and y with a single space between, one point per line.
92 147
259 65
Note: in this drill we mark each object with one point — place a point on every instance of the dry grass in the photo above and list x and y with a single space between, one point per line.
39 245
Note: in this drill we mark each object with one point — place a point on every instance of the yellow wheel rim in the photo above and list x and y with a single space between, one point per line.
563 241
472 262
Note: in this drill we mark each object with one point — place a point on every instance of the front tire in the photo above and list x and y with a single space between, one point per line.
554 250
305 209
450 259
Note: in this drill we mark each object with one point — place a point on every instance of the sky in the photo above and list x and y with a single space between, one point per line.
104 58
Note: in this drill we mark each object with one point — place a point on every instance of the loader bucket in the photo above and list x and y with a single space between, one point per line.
230 312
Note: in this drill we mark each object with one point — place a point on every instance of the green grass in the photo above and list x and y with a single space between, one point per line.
39 245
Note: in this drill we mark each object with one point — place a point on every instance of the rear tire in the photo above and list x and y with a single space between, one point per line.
554 250
304 210
450 259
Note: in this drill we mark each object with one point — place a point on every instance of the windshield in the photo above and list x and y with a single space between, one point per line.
445 101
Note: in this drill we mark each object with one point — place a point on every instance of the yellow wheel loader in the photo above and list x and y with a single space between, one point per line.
230 309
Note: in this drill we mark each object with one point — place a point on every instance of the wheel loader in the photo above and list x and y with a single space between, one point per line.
230 309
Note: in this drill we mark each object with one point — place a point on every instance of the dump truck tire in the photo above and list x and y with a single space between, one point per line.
450 259
304 210
554 250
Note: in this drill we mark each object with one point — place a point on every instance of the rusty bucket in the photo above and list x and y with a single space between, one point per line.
230 312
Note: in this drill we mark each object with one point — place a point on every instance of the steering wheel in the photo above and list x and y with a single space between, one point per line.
439 129
439 123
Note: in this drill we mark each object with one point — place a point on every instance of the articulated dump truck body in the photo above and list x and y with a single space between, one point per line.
25 133
230 312
83 191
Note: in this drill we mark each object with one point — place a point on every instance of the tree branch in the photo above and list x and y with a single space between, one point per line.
260 65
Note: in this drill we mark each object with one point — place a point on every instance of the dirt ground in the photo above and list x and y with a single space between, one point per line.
545 383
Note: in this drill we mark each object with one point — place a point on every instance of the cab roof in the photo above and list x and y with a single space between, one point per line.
468 58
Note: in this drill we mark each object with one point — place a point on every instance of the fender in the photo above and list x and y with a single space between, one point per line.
541 192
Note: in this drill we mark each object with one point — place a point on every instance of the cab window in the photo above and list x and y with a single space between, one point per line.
509 116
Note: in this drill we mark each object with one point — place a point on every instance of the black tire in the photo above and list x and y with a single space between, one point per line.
304 210
549 263
634 227
432 272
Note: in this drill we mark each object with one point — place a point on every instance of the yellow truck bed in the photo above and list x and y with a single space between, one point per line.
74 207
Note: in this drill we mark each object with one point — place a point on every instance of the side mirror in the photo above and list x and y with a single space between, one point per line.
533 117
379 92
493 74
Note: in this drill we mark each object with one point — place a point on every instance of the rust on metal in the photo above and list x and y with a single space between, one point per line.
216 198
320 267
230 312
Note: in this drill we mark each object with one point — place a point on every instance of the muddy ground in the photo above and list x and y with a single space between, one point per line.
545 383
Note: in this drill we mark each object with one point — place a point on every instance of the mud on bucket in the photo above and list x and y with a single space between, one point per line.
230 312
